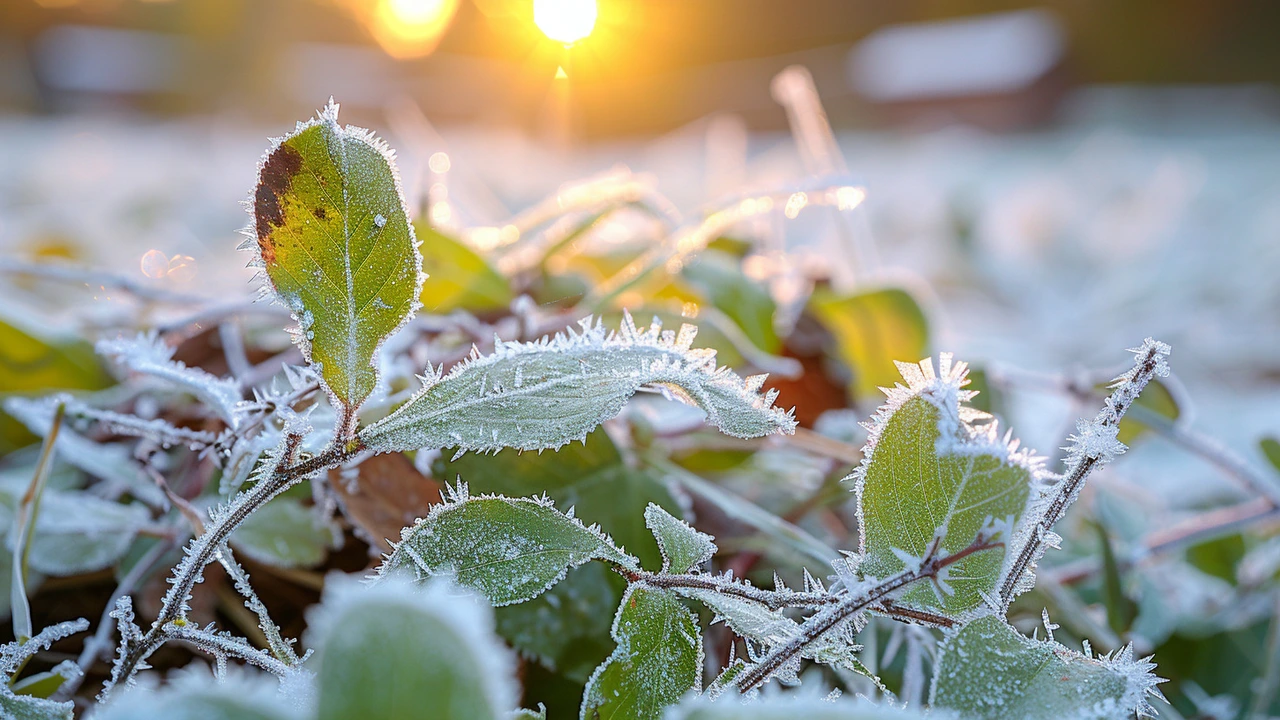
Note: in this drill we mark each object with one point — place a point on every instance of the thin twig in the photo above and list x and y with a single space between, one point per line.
71 273
851 603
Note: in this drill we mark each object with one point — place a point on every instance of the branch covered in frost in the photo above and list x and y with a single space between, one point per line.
13 655
501 400
856 599
278 474
1094 444
156 430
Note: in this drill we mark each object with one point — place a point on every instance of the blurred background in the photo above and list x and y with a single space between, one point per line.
1049 183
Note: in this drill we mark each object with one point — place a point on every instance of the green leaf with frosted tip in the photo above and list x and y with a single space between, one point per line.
542 395
332 233
507 549
925 467
989 671
683 548
658 659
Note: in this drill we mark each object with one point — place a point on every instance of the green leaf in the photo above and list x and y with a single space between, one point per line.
458 277
926 467
509 550
793 707
534 396
331 230
658 659
720 280
1218 557
1120 609
566 629
683 548
196 695
44 684
78 533
27 707
872 330
988 670
288 534
30 364
589 477
397 651
1271 450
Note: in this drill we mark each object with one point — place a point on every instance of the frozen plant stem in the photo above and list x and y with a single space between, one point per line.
206 548
931 566
1095 446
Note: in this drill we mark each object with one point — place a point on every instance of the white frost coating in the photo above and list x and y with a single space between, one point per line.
345 596
302 335
550 549
585 376
191 690
148 355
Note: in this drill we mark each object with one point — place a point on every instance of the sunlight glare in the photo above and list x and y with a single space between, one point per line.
566 21
411 28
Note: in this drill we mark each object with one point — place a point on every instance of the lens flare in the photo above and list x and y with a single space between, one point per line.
410 28
566 21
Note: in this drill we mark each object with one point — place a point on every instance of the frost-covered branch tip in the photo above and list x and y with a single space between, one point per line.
1094 444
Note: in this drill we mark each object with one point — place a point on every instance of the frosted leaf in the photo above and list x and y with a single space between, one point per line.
349 280
990 671
112 462
507 549
27 707
683 548
77 532
396 649
585 376
793 706
657 660
45 684
288 534
148 355
192 693
155 430
929 470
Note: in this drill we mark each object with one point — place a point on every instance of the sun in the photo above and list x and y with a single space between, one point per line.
566 21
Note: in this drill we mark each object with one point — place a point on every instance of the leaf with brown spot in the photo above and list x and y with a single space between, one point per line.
387 495
332 233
